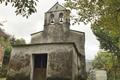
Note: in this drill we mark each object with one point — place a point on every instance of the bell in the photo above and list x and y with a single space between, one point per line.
61 19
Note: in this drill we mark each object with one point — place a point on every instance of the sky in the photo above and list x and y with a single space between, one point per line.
21 27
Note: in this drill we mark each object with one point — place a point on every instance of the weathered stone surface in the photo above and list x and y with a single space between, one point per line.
59 61
19 61
71 36
19 67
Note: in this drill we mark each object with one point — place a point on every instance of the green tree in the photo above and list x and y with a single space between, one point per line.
109 39
6 42
20 41
23 7
104 16
103 60
108 62
92 10
3 70
7 45
15 41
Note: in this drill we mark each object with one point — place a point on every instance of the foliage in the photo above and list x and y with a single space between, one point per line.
8 48
109 40
3 71
7 55
103 60
15 41
108 62
23 7
104 15
20 41
92 10
6 43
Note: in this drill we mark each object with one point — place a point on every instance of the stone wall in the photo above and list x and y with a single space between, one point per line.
60 64
59 61
59 36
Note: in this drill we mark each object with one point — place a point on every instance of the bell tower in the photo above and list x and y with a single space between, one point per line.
57 15
57 21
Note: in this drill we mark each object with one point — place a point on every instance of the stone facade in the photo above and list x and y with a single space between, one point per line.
60 51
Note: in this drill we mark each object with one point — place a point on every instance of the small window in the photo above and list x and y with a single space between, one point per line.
61 17
52 19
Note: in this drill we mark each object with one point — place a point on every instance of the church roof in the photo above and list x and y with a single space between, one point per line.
57 7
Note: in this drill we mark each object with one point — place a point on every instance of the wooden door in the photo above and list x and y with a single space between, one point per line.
40 66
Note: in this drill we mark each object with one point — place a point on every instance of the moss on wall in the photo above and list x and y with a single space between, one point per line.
18 76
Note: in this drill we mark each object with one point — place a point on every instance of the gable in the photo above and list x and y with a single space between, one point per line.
56 7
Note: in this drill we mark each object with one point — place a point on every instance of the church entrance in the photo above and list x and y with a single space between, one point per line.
40 66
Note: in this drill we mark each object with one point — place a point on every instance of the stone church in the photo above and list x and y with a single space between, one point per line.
56 53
